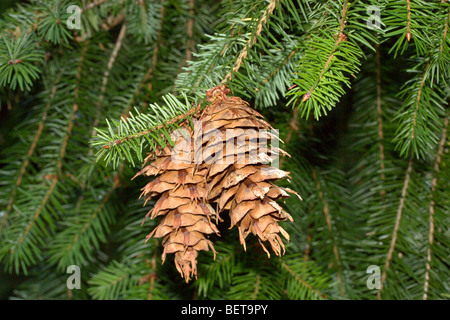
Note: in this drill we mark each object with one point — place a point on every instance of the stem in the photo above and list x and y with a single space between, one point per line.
269 10
396 227
431 220
326 213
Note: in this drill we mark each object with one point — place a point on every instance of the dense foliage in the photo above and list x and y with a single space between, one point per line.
358 89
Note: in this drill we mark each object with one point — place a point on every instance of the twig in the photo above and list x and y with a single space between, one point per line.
269 10
190 40
396 227
303 282
329 224
29 153
419 93
93 4
106 74
255 293
38 211
158 44
408 20
380 116
431 221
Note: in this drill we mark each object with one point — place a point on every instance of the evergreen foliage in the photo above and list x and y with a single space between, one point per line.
363 111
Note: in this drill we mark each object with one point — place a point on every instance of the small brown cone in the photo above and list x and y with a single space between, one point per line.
187 218
244 185
230 170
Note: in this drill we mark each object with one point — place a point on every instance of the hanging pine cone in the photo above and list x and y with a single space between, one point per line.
187 217
228 165
243 186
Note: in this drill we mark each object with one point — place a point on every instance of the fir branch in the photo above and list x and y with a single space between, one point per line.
339 37
30 152
418 119
38 212
189 27
106 74
380 115
303 282
396 227
330 56
63 149
330 230
408 18
114 53
19 61
243 54
138 129
431 209
158 45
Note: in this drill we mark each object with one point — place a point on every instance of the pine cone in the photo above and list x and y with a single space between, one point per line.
243 184
228 165
186 221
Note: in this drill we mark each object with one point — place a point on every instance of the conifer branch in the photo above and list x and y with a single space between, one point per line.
158 44
339 37
431 209
379 116
396 227
106 74
274 72
330 230
255 293
30 153
62 152
408 20
38 212
152 275
113 57
243 54
302 281
419 92
148 76
189 27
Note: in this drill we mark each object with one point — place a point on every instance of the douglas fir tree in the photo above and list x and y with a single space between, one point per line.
136 132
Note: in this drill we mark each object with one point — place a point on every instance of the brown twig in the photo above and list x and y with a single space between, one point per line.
30 153
151 71
396 228
419 93
303 282
408 20
190 33
106 74
243 54
431 219
380 115
38 211
326 213
93 4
